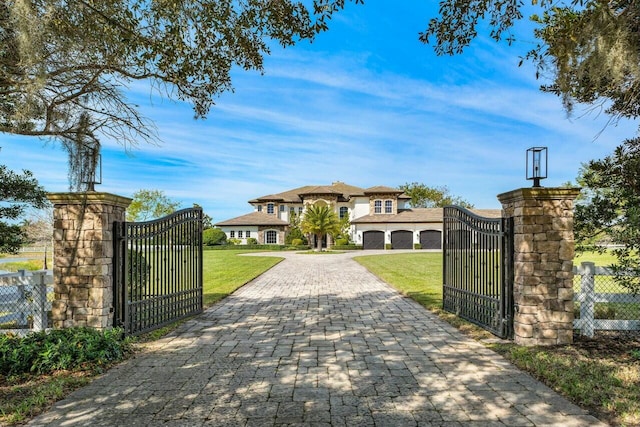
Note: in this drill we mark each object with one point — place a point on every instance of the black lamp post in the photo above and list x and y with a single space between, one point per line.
537 164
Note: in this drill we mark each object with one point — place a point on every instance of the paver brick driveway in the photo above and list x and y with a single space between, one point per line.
316 341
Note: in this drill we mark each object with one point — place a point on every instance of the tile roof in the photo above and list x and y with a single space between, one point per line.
293 196
381 189
253 218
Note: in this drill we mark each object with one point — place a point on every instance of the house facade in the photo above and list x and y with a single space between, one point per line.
380 216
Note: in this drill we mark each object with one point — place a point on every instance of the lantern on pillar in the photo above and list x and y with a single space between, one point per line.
537 164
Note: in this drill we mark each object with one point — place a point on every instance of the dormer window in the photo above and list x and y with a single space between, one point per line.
270 208
259 208
388 206
377 206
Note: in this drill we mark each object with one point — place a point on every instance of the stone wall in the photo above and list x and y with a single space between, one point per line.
83 257
543 263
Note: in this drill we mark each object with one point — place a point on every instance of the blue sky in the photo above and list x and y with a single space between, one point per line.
367 104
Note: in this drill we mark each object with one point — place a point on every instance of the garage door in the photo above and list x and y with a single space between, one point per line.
373 240
402 239
431 239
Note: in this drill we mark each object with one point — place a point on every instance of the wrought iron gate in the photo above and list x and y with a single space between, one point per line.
157 271
478 269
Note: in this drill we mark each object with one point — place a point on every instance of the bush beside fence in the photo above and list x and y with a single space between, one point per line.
601 303
25 301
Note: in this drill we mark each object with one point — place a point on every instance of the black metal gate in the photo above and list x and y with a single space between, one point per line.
478 269
157 271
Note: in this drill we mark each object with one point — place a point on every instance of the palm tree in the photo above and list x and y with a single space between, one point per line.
320 220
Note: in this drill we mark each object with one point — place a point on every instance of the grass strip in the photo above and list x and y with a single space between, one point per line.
225 271
21 399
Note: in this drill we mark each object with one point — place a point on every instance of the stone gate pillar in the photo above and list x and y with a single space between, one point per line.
543 263
83 257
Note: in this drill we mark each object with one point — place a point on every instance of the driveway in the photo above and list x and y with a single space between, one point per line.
316 341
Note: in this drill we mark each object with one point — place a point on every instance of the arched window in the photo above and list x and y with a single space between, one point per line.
271 237
344 212
377 206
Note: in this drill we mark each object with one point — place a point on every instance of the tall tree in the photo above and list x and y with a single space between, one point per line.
423 196
17 193
610 207
150 204
590 49
320 220
65 65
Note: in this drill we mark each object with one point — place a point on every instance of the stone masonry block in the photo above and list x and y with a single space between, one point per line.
565 294
523 330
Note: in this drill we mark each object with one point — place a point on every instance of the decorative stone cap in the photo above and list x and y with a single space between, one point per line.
539 193
89 197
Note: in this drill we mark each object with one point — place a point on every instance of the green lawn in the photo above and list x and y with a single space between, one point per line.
601 260
226 271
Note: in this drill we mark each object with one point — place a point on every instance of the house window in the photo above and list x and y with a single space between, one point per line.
377 206
232 234
270 208
300 209
259 208
344 212
247 234
283 208
388 206
240 234
271 237
292 211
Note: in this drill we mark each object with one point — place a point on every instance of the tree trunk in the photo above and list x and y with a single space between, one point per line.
319 242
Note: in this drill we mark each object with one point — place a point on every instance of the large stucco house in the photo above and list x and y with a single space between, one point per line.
379 216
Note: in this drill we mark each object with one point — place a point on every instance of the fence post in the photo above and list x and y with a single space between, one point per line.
542 263
83 254
22 298
587 298
39 301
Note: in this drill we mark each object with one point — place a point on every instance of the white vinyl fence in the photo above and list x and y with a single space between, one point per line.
603 303
25 300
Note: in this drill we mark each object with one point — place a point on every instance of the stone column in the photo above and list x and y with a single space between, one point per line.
83 257
543 263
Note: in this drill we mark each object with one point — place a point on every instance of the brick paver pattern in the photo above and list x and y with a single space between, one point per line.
316 341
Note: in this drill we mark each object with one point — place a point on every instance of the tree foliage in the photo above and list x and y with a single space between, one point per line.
423 196
213 236
610 207
589 48
17 193
319 220
295 232
150 204
65 65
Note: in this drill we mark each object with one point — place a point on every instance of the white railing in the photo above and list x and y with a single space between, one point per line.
591 293
23 300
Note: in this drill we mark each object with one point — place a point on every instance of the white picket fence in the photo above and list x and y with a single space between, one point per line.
23 300
587 296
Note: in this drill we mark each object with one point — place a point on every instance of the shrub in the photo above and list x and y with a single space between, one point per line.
297 242
252 241
351 247
388 246
213 236
417 246
342 242
62 349
234 241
